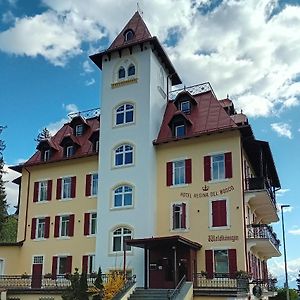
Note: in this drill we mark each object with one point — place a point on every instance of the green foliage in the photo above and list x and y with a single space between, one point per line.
298 283
9 230
3 203
281 294
78 288
99 285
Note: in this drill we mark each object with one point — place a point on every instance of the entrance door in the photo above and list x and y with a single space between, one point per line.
37 271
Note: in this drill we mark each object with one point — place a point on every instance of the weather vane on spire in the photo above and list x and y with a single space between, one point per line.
139 9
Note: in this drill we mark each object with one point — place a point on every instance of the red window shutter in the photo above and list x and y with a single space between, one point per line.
85 259
58 188
207 168
49 190
249 262
56 226
188 171
36 192
219 213
228 165
88 185
209 263
71 225
33 228
69 265
232 263
173 215
183 216
54 267
169 173
47 227
73 187
86 229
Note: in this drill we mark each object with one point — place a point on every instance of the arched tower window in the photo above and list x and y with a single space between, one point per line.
128 35
121 73
131 70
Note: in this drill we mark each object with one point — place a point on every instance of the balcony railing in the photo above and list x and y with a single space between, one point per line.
262 231
260 183
269 284
220 285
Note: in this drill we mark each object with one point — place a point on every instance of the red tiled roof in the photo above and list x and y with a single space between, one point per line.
239 118
225 102
207 116
85 145
138 26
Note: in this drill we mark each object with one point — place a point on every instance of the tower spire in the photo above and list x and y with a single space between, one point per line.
139 10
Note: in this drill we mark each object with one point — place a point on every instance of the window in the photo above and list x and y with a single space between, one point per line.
180 130
61 265
66 188
46 155
218 167
64 226
179 216
91 185
121 73
124 114
219 213
119 237
88 264
79 130
185 107
70 151
179 172
90 223
221 263
38 259
1 267
42 191
40 228
129 34
123 196
96 146
124 155
131 70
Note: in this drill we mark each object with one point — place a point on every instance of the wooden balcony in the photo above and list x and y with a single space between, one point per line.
260 195
263 240
220 286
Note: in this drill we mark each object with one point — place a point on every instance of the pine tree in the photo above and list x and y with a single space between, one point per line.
298 283
44 134
3 203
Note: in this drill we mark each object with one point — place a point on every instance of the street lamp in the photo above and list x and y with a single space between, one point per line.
284 253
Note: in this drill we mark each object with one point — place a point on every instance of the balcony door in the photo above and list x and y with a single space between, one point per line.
37 271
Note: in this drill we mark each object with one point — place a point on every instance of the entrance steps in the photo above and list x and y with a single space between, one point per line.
150 294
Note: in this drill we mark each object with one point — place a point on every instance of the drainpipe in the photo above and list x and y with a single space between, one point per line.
27 203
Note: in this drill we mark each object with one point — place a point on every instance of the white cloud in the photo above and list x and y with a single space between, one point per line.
282 192
283 129
11 189
70 108
87 68
285 209
7 17
294 231
241 47
90 82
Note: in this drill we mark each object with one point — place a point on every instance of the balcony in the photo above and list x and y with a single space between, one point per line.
268 286
261 197
263 240
220 286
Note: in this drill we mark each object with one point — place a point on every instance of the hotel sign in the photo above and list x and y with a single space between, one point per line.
207 194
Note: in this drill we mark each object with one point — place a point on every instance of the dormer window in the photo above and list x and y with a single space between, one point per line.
131 70
128 35
185 107
96 146
179 130
69 151
46 155
79 130
121 73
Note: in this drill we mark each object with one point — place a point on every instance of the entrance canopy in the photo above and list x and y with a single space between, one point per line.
166 241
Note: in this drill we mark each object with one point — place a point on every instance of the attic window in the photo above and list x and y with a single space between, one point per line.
179 130
185 107
69 151
46 155
128 35
79 130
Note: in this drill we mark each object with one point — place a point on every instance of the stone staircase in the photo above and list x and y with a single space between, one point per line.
150 294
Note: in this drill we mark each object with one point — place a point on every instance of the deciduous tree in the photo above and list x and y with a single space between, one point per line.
3 203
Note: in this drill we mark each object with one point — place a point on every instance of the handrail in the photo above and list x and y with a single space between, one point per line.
263 231
177 288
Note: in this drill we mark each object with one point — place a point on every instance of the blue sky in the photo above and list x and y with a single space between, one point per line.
247 49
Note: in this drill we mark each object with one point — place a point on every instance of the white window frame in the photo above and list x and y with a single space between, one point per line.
122 194
38 224
123 152
176 130
66 187
91 216
91 263
176 169
2 266
46 155
43 191
38 259
59 257
66 227
214 261
79 130
94 184
122 235
124 113
126 35
97 146
69 151
211 215
183 103
220 177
